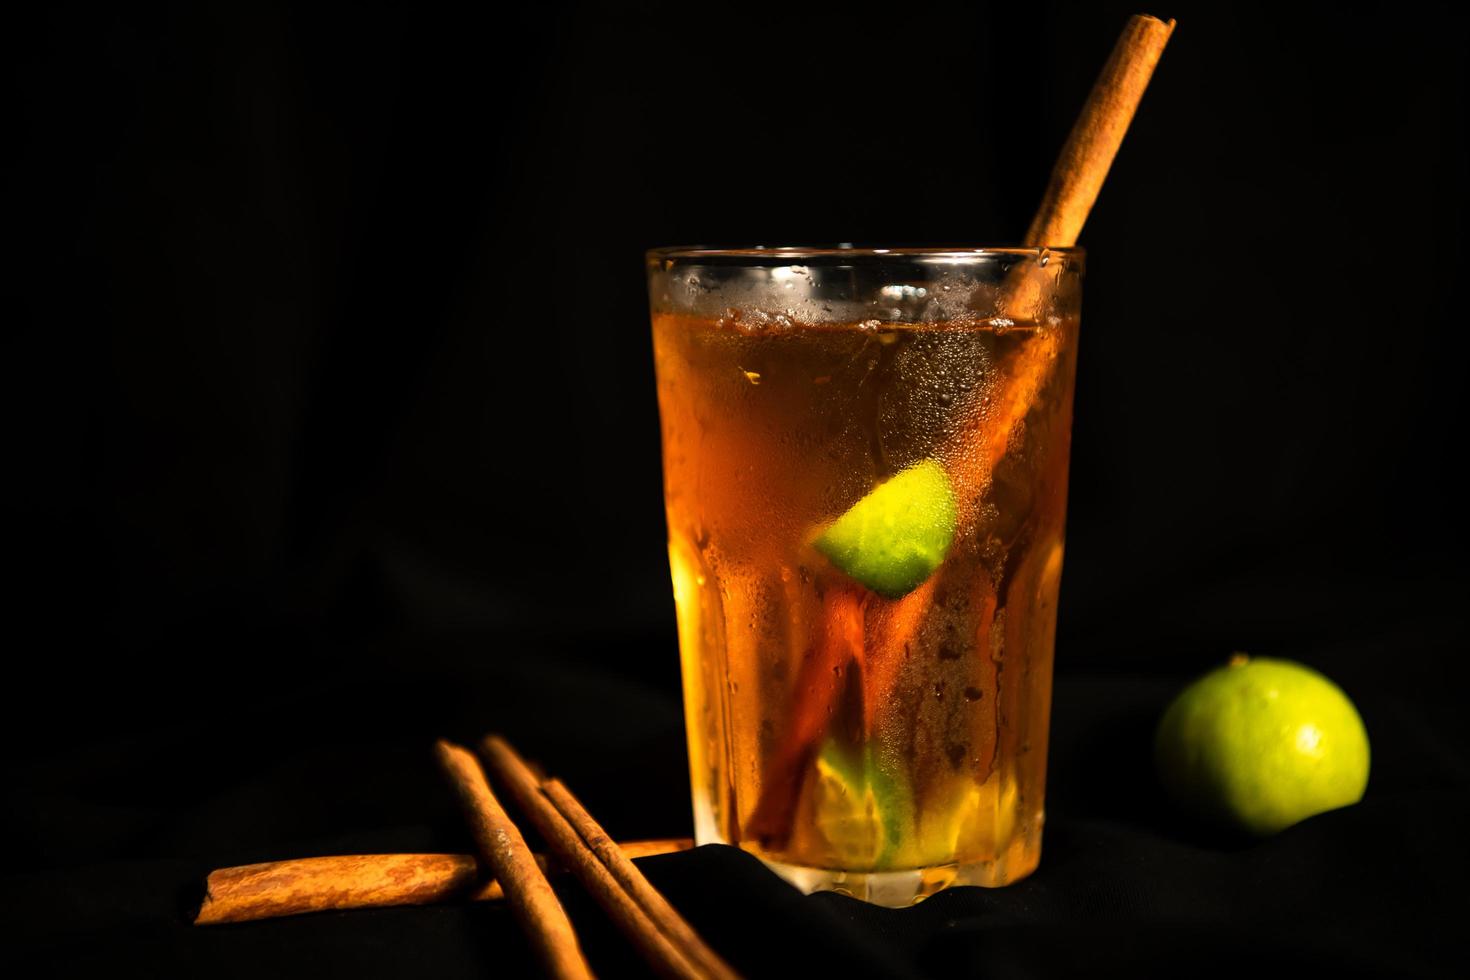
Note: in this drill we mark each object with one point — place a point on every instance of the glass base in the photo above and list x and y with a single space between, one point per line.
899 889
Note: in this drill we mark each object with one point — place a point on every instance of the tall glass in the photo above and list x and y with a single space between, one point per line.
865 474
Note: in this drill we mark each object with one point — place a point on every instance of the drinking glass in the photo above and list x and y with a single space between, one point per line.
865 476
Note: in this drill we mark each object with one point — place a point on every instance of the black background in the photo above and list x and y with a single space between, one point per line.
334 430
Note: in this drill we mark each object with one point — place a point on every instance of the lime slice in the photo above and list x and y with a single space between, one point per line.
861 811
962 820
895 537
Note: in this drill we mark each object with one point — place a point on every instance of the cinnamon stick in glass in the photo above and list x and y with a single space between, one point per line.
1075 182
1088 153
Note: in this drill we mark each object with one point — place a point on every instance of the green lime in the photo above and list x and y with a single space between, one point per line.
1260 744
894 538
861 809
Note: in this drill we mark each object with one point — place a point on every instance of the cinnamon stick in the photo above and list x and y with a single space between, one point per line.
1076 179
633 882
1088 154
655 936
298 886
1075 182
499 844
818 680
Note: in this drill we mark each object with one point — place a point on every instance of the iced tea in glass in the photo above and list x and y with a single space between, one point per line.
865 472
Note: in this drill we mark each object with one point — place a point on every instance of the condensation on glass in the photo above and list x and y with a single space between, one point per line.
865 470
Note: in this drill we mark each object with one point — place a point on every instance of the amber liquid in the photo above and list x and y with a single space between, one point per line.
888 747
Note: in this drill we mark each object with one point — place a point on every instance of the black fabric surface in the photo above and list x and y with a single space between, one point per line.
119 834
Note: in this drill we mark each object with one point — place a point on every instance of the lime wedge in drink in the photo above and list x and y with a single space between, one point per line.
895 537
962 820
861 811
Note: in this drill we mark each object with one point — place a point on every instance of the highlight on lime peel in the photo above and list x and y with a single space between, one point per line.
894 538
1260 744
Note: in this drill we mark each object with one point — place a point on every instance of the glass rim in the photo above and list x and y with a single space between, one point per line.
949 252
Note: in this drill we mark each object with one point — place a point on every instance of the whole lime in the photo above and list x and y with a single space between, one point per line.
1260 744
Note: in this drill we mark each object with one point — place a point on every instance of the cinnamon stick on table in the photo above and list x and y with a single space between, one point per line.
500 845
1075 182
648 898
358 881
666 941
